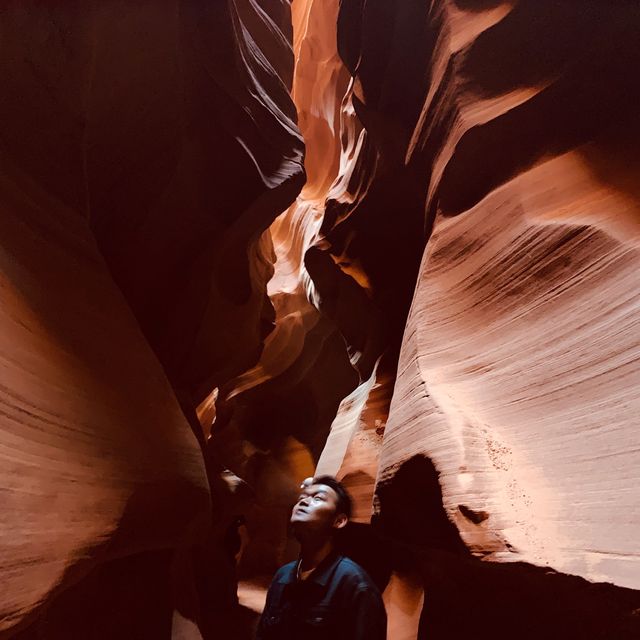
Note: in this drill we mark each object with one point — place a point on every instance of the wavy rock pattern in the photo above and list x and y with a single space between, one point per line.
519 367
273 419
521 358
146 149
154 225
339 312
178 159
88 470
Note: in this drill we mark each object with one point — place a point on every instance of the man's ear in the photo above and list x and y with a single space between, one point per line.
340 521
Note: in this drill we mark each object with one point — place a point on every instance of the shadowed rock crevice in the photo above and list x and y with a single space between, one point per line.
571 46
410 509
434 297
100 606
146 150
466 596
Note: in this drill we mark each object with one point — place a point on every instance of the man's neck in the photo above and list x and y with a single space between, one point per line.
313 552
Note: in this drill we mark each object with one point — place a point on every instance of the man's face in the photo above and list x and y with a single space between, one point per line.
316 509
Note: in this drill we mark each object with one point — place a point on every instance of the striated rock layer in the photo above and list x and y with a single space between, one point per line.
513 126
145 150
474 135
98 461
521 358
445 313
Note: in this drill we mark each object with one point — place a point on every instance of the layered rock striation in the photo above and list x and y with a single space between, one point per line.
519 366
145 150
501 135
518 374
437 301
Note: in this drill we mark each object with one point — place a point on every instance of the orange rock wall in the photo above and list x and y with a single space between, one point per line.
445 313
502 135
96 453
145 149
519 370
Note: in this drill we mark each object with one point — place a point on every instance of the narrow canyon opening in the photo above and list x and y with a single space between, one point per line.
246 242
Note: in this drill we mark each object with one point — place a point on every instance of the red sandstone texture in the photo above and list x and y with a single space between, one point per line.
445 313
145 150
90 471
517 382
520 363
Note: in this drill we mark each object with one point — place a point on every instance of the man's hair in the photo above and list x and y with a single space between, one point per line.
344 499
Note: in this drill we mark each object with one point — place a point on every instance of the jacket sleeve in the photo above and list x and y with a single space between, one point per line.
370 616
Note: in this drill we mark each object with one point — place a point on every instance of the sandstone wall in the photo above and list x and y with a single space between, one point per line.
516 391
519 369
146 148
438 302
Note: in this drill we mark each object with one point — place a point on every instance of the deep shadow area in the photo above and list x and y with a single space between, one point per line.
237 623
411 512
364 545
125 598
471 598
129 586
561 50
468 598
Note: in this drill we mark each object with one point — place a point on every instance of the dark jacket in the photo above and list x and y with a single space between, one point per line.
338 601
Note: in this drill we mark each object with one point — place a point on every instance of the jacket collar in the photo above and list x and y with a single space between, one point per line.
320 575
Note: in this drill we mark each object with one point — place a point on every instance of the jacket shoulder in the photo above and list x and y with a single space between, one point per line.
285 571
355 574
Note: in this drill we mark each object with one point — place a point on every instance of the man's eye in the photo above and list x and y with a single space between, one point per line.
317 498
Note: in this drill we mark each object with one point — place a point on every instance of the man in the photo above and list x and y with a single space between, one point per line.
322 595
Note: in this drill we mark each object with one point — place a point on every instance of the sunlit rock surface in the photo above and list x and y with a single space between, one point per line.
273 420
491 154
445 314
518 376
521 358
